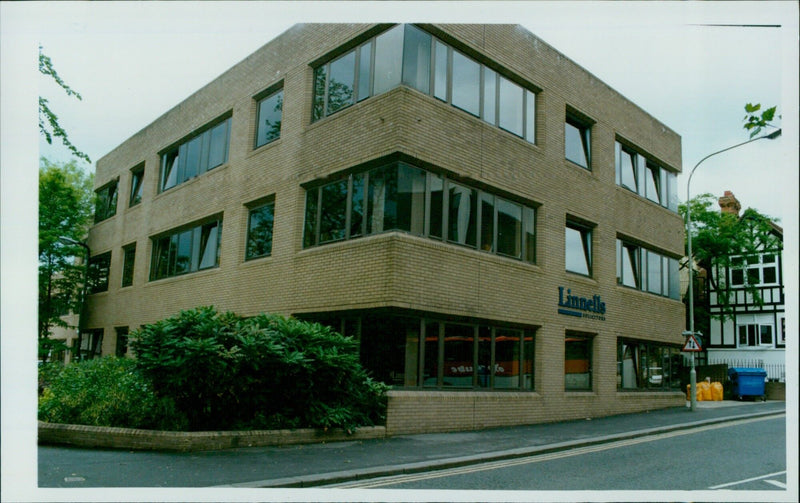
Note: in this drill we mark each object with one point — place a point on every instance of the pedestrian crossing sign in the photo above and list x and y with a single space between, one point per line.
692 345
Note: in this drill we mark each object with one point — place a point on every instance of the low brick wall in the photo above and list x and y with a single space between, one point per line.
412 412
128 438
775 390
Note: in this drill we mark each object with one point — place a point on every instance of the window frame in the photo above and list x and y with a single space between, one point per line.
274 91
256 206
177 154
106 200
669 276
128 265
314 209
583 126
585 231
162 244
99 270
442 90
137 186
588 340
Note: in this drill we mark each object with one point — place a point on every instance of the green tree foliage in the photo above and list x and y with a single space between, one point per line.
66 202
229 372
106 391
755 122
48 120
719 236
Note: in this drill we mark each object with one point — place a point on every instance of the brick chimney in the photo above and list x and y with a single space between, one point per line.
729 204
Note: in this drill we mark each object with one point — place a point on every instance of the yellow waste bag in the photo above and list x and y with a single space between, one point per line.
703 391
716 391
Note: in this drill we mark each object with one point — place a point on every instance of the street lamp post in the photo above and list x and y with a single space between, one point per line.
83 288
690 262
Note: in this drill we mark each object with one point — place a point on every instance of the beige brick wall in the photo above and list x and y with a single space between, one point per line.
396 269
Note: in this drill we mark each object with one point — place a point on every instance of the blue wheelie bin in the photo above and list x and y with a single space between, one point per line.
747 382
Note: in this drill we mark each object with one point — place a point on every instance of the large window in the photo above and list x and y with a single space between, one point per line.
577 362
407 55
578 248
259 231
645 177
410 351
755 335
97 273
186 250
577 141
401 197
137 186
646 270
270 112
106 201
128 261
200 153
648 365
754 270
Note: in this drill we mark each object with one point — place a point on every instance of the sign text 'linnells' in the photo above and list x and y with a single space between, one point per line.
593 307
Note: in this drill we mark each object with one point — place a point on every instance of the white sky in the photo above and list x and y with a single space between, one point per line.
133 61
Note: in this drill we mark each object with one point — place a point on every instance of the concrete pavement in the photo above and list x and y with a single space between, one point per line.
319 464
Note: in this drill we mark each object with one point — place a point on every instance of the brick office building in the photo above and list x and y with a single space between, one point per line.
495 225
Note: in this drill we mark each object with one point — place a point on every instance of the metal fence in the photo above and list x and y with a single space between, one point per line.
775 371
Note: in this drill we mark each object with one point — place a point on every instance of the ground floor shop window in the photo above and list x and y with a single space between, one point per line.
577 362
414 351
648 365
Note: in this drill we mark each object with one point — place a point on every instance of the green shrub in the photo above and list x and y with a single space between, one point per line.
106 391
228 372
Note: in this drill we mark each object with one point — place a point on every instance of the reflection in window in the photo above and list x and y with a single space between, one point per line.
106 202
627 168
403 54
400 197
646 178
653 187
270 111
648 365
128 260
647 270
137 178
186 251
97 273
577 362
459 343
466 84
462 214
259 231
577 142
578 249
201 153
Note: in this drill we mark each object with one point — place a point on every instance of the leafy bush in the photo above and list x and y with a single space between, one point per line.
228 372
106 391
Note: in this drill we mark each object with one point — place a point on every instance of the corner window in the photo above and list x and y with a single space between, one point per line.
578 249
408 55
401 197
137 187
200 153
259 231
270 111
647 270
644 177
648 366
577 142
128 260
106 201
186 250
577 362
98 272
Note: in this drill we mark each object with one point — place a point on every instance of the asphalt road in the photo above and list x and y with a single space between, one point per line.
748 454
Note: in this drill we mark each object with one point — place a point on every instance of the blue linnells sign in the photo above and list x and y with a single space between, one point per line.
581 307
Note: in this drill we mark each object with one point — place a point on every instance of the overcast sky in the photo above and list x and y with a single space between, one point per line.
692 65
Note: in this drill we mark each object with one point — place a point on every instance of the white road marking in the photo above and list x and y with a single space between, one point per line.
749 480
494 465
776 483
